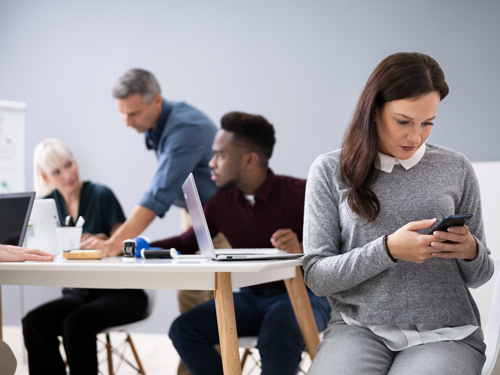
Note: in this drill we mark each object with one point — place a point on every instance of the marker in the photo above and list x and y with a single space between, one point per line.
68 221
80 222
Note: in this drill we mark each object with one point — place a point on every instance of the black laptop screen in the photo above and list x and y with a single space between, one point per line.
15 209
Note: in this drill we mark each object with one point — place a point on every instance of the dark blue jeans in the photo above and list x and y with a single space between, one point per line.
266 313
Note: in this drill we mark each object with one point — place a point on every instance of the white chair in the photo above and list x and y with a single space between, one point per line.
110 349
492 331
249 344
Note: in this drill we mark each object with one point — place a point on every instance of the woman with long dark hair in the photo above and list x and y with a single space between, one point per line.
400 297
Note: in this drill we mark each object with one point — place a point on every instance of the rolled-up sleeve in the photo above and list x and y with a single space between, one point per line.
180 153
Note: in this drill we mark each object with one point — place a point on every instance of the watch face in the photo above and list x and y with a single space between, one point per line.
129 248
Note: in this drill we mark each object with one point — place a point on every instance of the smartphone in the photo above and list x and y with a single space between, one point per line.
451 221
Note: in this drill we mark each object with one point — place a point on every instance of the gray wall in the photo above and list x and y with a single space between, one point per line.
302 64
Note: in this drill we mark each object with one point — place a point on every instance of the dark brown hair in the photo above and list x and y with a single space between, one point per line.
398 76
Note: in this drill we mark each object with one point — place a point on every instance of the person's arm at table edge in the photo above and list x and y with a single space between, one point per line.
185 243
9 253
138 221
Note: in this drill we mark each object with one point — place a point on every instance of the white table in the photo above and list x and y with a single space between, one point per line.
222 277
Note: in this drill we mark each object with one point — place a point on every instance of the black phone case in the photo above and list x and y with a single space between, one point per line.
451 221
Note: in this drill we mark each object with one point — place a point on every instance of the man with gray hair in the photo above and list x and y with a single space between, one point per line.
181 137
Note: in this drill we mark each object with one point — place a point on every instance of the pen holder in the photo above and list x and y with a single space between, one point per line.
68 238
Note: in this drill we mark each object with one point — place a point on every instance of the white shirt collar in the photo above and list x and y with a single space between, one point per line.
250 198
386 163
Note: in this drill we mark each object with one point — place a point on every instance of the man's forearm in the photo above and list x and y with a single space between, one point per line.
137 222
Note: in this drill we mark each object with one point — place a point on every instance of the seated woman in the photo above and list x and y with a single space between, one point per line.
80 313
400 296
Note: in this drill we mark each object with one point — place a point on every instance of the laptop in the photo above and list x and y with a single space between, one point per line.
44 220
15 210
205 240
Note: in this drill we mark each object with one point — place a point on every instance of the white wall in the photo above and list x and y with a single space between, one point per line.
302 64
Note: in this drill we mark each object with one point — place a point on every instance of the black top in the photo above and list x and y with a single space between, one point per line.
98 206
101 210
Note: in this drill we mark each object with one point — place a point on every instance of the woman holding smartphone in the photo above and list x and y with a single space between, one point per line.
400 297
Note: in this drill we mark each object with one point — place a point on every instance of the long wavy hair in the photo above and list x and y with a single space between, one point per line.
398 76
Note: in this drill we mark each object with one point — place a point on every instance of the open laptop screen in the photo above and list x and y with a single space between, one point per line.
15 209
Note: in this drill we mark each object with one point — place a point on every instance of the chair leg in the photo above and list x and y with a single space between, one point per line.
244 358
110 354
136 356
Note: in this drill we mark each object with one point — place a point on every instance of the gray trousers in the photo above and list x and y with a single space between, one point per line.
348 350
8 361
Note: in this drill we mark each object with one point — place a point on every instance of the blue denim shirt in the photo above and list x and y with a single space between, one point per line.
182 140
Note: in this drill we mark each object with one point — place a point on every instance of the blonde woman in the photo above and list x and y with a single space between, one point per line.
80 313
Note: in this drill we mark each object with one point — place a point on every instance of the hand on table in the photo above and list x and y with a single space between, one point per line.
10 253
86 236
286 240
107 247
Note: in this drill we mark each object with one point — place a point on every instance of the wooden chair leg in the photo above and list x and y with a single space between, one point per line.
136 356
110 354
244 358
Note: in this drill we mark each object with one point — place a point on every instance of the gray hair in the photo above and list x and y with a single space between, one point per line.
137 81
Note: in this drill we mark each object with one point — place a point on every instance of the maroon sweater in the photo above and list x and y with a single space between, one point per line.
279 204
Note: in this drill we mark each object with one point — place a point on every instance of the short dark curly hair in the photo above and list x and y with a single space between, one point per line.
254 131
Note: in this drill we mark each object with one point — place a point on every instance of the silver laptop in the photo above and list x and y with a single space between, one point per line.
44 220
205 240
15 210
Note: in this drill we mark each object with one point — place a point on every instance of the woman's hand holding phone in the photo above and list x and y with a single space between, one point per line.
455 242
409 245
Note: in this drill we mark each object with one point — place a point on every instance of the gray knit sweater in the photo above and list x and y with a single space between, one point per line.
346 261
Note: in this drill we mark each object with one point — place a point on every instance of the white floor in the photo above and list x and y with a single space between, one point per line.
157 354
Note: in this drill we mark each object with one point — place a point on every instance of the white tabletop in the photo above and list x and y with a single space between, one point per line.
113 272
221 276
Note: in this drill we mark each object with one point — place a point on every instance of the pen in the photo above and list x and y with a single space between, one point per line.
80 222
68 221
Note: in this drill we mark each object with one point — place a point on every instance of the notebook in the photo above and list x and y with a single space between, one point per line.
15 210
44 220
205 240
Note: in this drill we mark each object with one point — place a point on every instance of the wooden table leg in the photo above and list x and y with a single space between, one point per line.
303 311
226 321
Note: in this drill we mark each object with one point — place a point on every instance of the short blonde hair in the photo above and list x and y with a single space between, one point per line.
47 155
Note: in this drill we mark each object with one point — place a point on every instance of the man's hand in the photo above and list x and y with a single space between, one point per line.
108 247
140 218
286 240
87 236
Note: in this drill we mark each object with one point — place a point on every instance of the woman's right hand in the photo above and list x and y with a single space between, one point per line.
409 245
